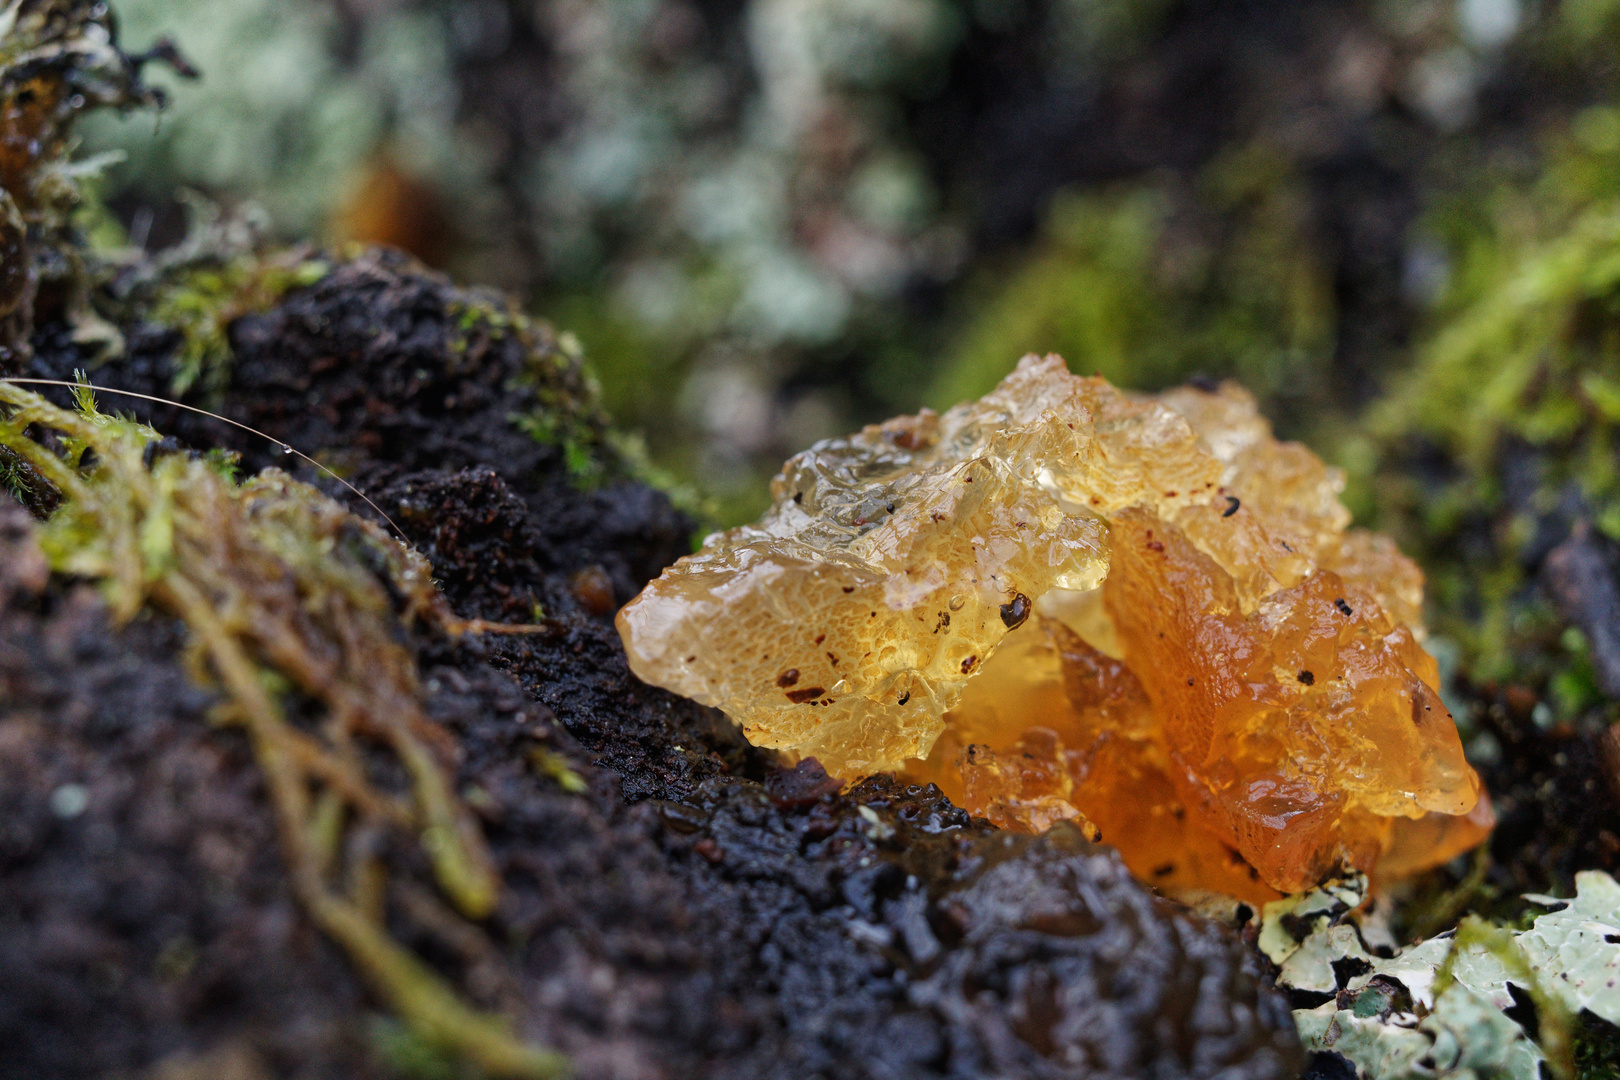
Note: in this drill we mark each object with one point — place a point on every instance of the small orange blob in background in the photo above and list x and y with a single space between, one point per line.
388 206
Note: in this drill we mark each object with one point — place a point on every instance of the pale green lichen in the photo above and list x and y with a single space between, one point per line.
1440 1007
1465 1037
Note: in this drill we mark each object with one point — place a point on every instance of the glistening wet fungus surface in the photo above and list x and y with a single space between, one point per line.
1139 613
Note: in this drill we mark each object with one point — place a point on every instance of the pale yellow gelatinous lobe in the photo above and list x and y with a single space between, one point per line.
1204 661
846 621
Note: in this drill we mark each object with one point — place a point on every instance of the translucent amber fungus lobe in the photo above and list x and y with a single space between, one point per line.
1143 614
845 623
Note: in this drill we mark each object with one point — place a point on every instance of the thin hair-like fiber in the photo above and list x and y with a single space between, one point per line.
285 448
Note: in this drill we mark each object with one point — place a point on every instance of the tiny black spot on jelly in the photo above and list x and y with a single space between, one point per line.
1015 611
905 696
809 693
1232 505
788 677
1307 678
1344 608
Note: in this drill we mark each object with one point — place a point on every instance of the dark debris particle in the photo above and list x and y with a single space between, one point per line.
1583 576
1015 611
1329 1065
790 677
593 589
802 785
1307 678
1344 609
1233 505
160 448
1348 967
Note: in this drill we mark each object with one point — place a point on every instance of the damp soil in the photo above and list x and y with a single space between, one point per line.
692 908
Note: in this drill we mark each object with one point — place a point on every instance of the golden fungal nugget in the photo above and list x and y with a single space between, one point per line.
1143 613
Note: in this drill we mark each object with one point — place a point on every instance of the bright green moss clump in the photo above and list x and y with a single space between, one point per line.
1147 284
291 602
1506 427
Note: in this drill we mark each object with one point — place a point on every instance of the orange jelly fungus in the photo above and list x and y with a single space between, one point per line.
1141 613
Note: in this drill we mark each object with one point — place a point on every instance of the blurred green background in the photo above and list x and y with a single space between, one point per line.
769 221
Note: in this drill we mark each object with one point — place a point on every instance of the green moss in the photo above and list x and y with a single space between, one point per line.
550 764
1147 284
201 301
408 1056
289 599
1088 293
1597 1049
566 410
1514 393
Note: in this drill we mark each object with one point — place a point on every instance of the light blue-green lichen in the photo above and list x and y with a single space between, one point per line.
1440 1008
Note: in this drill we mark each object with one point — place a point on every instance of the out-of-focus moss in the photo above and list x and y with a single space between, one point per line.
1506 426
1088 292
1147 284
59 60
1597 1050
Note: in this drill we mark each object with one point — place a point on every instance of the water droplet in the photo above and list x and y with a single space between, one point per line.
957 602
285 449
